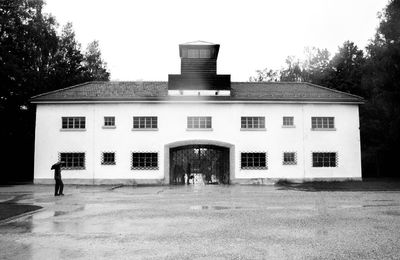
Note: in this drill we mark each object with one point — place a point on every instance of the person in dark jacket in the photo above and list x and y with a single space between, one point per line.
57 177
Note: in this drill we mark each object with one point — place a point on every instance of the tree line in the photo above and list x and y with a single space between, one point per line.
35 58
374 74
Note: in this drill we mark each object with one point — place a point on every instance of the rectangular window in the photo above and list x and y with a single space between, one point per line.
144 161
193 53
324 159
109 121
288 121
205 54
73 161
253 160
145 122
108 158
252 122
289 158
322 122
73 123
199 122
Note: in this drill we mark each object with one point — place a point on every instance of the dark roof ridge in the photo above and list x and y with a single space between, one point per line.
299 82
91 82
62 89
334 90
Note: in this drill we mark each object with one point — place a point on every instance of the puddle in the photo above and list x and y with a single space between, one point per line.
201 207
383 200
59 213
392 213
382 205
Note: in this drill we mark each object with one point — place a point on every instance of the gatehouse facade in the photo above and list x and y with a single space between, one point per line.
197 128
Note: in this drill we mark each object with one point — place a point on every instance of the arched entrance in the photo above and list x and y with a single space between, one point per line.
199 164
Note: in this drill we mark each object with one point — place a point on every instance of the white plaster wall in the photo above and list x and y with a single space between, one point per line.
275 140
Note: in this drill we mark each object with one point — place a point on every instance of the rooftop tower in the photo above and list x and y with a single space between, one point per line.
199 69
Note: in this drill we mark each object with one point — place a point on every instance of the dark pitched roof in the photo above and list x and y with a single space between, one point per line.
158 90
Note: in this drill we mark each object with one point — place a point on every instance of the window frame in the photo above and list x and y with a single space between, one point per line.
249 163
326 161
199 123
145 158
106 122
289 162
73 123
144 123
285 120
323 123
106 162
252 123
81 161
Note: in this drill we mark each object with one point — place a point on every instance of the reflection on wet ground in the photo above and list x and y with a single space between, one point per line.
246 222
350 186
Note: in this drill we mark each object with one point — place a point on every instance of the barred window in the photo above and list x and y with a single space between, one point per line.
289 158
108 159
109 121
288 121
73 123
199 122
253 160
144 122
248 122
144 161
73 161
324 159
322 122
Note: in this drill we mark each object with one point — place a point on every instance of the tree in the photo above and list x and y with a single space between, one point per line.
315 65
344 72
293 71
33 60
265 75
95 67
382 81
67 69
28 42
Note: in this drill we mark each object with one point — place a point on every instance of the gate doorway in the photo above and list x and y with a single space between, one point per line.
199 164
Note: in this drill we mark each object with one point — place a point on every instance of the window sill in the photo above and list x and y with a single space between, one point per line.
73 168
144 168
72 130
199 129
109 127
290 164
144 129
324 167
288 126
254 168
108 164
323 129
253 129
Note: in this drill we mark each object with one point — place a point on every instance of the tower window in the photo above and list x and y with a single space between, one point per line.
199 53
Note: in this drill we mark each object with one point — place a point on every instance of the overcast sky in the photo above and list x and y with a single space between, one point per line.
139 39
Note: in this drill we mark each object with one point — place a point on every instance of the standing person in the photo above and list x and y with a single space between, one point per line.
188 173
57 177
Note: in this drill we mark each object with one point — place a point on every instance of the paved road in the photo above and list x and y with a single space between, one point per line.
211 222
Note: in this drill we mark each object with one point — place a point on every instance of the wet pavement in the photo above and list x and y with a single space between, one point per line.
203 222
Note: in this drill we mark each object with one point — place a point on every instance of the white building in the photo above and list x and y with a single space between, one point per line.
198 123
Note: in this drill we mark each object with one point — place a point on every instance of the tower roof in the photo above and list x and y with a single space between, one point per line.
199 43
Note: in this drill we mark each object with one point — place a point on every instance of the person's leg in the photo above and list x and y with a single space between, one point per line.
61 188
57 186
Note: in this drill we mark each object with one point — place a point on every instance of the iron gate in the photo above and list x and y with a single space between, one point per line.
208 164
